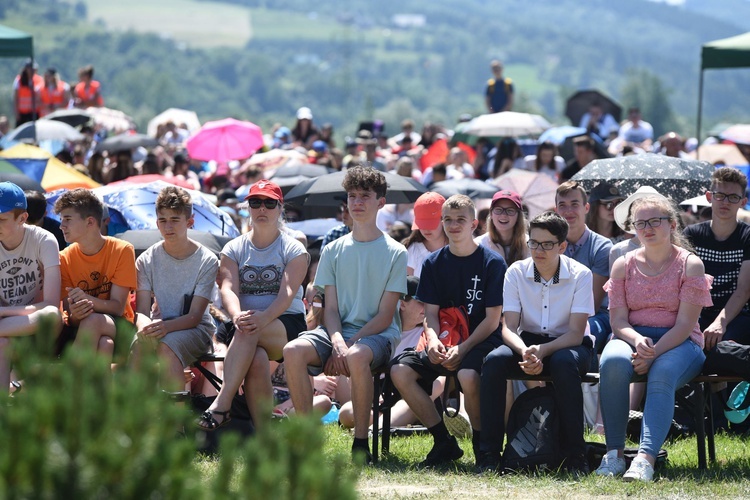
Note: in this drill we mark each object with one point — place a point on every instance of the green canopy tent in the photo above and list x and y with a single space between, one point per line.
732 52
15 43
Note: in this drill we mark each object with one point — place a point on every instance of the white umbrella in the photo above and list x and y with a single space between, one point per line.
698 201
507 124
46 130
178 117
113 120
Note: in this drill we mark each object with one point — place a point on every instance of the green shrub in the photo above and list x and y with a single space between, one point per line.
78 431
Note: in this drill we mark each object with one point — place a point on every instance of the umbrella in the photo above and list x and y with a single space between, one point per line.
177 116
739 134
19 179
73 117
473 188
297 169
113 120
225 140
314 228
45 130
537 189
142 239
275 158
579 103
676 178
697 201
557 135
146 178
41 166
136 204
506 124
728 154
326 190
126 142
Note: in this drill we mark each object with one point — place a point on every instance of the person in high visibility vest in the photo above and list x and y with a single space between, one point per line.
26 88
54 94
88 91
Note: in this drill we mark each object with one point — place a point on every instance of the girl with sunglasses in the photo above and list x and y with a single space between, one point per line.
260 279
601 218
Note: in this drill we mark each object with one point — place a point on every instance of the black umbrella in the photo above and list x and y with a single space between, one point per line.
580 102
297 169
126 142
141 239
24 182
327 190
73 117
676 178
473 188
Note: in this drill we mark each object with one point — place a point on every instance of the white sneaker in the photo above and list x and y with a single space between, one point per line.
640 470
457 424
611 465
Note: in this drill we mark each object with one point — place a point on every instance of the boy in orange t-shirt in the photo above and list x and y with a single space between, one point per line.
98 273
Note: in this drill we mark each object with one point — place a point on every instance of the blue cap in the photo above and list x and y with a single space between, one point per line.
282 132
320 146
11 197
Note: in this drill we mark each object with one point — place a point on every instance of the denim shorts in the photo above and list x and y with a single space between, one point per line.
380 346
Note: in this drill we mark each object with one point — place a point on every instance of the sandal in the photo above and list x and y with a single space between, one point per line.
207 422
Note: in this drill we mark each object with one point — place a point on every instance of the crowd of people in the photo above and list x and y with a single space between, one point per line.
621 283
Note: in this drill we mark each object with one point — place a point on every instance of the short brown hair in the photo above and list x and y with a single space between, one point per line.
366 178
567 187
83 201
729 174
175 198
460 202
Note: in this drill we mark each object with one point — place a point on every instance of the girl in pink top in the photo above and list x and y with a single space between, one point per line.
656 294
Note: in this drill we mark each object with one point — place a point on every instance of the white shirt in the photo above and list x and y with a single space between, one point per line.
606 126
547 306
638 134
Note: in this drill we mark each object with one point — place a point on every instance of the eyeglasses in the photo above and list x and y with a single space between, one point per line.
268 202
546 245
610 205
510 212
732 198
655 222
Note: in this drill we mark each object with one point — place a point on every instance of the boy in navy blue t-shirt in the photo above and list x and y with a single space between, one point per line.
460 274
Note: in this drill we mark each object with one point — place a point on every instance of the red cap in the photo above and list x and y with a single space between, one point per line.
508 195
428 211
266 188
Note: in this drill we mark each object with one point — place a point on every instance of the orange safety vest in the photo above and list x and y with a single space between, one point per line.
93 89
53 97
25 101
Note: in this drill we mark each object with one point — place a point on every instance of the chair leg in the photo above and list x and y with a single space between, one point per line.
375 413
387 390
700 424
710 432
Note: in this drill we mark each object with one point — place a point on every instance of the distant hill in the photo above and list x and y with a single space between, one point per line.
260 60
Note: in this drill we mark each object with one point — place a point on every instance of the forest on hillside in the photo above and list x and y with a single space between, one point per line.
640 52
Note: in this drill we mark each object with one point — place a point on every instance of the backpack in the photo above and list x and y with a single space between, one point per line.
454 328
533 432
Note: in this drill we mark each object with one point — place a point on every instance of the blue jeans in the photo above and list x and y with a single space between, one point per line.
601 329
669 372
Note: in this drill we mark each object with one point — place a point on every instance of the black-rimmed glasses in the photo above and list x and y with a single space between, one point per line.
510 212
653 222
257 202
732 198
546 245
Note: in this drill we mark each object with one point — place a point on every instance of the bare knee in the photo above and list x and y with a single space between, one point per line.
346 415
296 351
401 374
260 366
469 380
359 358
166 353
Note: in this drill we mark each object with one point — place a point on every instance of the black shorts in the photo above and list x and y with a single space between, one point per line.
428 372
294 324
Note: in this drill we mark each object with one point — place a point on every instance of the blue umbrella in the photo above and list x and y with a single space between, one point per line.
557 135
133 206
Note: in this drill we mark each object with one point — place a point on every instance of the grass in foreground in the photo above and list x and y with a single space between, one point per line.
396 477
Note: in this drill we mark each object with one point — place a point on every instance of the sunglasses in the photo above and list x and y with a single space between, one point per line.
257 202
610 205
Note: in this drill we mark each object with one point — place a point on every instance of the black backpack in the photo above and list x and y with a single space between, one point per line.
533 432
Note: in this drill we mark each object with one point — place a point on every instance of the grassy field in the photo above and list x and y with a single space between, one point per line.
396 477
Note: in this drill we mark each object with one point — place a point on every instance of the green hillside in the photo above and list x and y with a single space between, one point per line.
260 60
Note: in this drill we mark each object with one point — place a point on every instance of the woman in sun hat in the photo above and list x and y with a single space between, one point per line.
260 279
506 227
428 235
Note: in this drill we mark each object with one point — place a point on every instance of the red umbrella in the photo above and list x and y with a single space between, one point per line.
144 179
225 140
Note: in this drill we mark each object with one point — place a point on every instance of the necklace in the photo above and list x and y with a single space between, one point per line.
662 265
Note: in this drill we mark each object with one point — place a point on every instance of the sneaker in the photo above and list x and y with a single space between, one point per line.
640 470
442 453
457 424
611 465
487 462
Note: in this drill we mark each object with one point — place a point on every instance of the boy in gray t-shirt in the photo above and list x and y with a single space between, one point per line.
363 275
